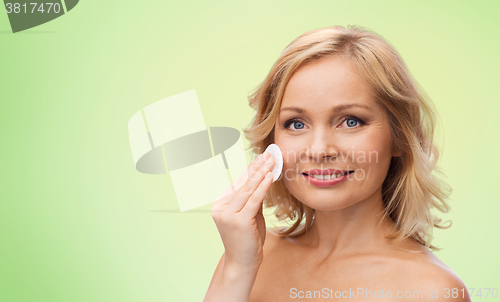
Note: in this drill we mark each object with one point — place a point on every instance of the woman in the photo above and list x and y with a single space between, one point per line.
356 135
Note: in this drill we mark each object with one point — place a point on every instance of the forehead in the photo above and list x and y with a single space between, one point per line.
324 83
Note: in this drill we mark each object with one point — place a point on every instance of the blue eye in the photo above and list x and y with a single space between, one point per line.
351 122
297 124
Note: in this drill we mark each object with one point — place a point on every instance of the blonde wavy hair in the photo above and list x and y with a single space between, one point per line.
411 188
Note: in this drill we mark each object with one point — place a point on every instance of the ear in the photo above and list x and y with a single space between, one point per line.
396 153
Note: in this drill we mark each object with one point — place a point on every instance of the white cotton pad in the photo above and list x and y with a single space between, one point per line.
275 152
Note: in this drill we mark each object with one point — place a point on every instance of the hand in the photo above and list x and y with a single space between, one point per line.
238 215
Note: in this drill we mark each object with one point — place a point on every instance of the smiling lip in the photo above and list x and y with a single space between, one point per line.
325 172
325 182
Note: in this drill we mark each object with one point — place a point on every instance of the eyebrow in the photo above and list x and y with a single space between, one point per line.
336 108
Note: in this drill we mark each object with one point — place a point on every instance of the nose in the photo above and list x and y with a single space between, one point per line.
322 146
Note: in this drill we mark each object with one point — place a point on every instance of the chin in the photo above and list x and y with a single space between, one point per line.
322 201
328 205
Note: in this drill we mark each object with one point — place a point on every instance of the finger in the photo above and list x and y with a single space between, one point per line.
221 204
250 186
254 204
239 200
249 171
242 179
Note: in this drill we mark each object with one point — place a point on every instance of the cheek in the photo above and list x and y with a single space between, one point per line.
373 159
290 161
291 151
370 152
373 148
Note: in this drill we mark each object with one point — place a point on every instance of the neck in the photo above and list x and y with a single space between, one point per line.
353 229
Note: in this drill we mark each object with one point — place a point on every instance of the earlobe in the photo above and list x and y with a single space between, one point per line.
396 153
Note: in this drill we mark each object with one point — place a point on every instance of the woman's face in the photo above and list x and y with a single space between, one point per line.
329 120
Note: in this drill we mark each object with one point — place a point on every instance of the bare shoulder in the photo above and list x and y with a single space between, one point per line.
436 275
426 271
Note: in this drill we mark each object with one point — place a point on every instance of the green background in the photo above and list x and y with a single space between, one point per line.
79 223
